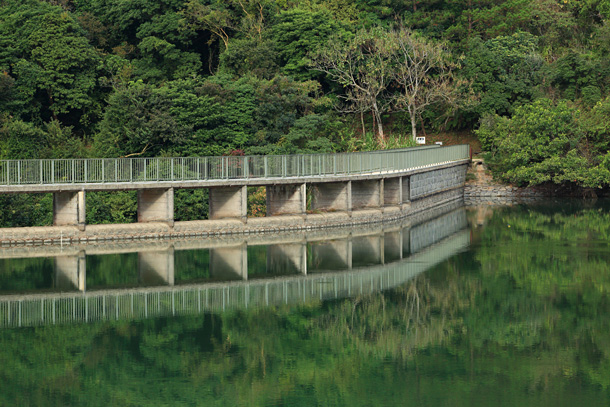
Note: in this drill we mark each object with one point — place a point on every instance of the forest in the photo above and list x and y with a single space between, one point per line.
113 78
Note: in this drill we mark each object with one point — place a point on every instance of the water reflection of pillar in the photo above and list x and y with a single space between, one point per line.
405 237
367 250
287 258
156 268
392 246
229 263
331 255
70 272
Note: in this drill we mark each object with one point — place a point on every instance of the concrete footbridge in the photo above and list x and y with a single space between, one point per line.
337 264
390 182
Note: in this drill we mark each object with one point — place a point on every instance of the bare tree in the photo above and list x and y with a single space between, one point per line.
424 72
362 67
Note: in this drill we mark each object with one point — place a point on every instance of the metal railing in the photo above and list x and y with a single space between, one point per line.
114 170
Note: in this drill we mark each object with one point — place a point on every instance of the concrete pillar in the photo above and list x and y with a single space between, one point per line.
286 200
331 255
392 246
156 205
229 263
229 202
406 189
69 209
367 250
287 258
71 272
332 196
367 194
392 191
156 268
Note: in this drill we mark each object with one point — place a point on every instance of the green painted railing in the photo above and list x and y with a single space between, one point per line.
114 170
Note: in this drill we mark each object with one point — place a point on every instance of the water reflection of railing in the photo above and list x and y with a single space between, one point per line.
411 251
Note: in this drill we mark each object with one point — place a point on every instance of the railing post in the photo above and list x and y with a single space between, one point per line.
8 173
284 165
172 168
73 172
41 175
52 171
265 166
145 168
86 161
131 161
156 159
335 164
245 171
19 172
103 171
349 162
116 170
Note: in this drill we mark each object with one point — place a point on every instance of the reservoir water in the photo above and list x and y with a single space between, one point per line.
475 306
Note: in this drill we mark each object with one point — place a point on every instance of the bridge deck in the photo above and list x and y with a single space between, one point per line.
34 176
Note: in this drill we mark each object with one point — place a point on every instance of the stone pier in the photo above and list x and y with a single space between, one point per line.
286 199
406 189
367 194
69 209
392 191
229 202
332 196
156 205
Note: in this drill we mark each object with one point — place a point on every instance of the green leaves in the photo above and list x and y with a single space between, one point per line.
52 63
504 71
545 142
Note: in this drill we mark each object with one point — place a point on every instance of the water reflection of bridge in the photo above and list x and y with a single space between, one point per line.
324 265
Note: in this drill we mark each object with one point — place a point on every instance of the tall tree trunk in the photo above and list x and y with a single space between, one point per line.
423 128
377 116
363 127
413 125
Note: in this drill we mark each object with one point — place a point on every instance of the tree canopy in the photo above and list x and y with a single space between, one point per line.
190 77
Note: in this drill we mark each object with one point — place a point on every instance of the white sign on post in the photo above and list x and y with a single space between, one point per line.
420 140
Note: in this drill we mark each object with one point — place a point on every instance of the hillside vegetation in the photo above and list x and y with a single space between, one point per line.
113 78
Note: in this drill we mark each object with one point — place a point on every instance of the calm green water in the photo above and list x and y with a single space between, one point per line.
519 318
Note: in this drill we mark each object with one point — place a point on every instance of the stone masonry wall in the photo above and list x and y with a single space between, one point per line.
429 183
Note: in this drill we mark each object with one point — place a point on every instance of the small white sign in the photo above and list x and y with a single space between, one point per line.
420 140
440 143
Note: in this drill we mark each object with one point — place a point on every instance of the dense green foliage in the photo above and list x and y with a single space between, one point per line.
545 142
92 78
520 318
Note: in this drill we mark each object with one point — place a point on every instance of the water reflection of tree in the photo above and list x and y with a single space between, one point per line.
524 315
